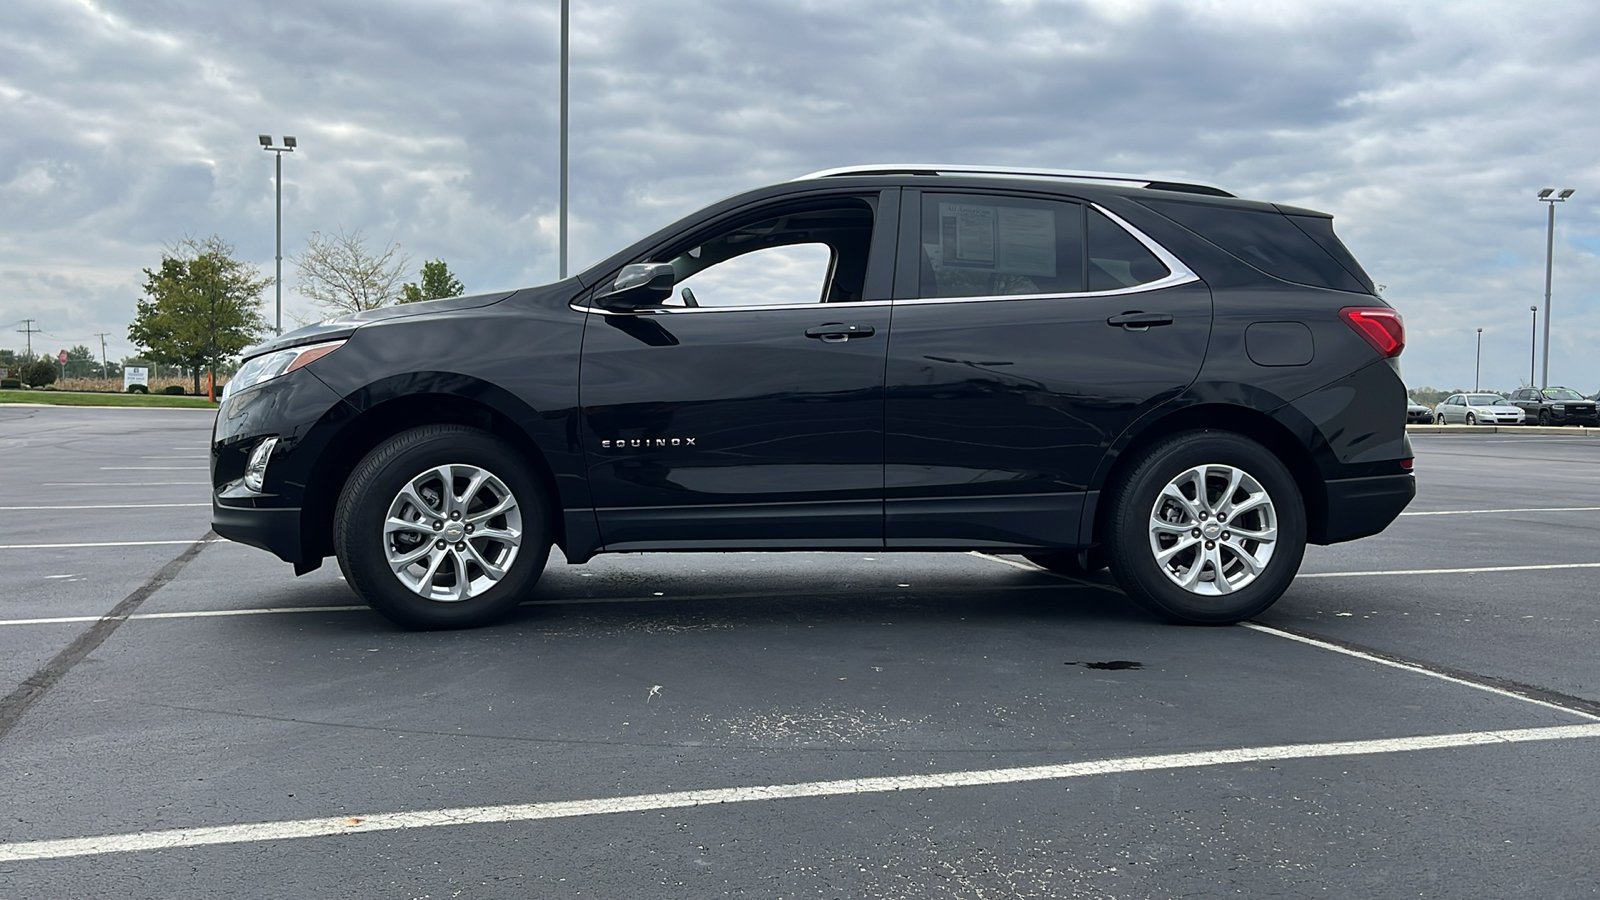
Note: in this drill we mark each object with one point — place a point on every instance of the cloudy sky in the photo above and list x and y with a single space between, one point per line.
1425 127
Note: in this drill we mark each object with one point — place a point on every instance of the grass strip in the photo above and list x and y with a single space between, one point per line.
87 398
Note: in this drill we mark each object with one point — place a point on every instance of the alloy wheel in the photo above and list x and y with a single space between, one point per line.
452 532
1213 529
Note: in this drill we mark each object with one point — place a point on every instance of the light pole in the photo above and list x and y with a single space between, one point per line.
1477 365
563 225
1549 259
288 147
1533 343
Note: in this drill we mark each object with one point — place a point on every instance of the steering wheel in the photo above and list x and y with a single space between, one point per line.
688 297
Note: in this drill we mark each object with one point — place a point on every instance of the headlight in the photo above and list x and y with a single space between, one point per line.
1558 407
271 365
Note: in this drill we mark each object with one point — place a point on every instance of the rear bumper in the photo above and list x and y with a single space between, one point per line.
1360 507
276 530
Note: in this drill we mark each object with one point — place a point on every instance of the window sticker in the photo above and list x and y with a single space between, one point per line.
1006 240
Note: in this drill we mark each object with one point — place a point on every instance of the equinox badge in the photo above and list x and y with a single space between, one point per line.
628 444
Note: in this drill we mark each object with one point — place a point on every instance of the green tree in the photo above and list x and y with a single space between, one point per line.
201 307
437 283
9 359
340 274
82 363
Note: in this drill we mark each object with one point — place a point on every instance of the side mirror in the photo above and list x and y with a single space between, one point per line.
638 286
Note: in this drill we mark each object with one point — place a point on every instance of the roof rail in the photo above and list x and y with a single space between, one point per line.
1143 181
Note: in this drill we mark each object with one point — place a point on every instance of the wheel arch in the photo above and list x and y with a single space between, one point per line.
1260 427
380 411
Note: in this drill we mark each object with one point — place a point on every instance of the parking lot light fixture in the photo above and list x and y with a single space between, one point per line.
1477 365
289 143
1545 195
1533 343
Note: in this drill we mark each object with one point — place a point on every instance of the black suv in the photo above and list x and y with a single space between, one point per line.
1555 406
1087 370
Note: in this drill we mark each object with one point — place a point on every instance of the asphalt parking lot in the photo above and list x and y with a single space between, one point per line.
1419 716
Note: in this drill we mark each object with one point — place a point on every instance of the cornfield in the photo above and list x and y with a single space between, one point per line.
114 385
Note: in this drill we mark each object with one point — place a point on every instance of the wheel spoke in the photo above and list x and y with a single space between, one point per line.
1225 507
506 502
494 572
395 525
398 561
1183 544
1171 492
1159 524
1252 565
1218 579
512 536
1264 535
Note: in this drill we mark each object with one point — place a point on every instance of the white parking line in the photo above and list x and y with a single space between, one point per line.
107 544
120 483
1413 668
1461 571
1479 512
180 838
103 506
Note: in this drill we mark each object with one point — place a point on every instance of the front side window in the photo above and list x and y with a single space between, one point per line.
809 254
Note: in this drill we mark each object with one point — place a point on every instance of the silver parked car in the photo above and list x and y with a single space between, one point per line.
1478 409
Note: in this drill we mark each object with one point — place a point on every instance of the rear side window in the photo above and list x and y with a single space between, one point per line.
1269 241
1117 259
978 245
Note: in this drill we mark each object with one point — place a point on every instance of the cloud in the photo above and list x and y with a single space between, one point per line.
1424 127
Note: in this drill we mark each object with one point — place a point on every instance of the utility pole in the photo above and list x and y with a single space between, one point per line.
104 372
28 329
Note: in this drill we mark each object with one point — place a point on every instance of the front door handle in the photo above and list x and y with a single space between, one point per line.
1140 321
838 332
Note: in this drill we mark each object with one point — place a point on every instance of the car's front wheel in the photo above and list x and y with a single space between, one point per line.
1544 417
1207 528
1471 419
442 527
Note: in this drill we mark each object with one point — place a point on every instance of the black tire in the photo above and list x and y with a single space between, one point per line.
1134 506
1544 417
1076 563
363 547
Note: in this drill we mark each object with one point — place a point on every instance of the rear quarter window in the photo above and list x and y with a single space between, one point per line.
1278 245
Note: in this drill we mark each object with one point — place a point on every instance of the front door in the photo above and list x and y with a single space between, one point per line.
748 411
1028 334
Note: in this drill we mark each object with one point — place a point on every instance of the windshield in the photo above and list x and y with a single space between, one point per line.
1562 394
1485 399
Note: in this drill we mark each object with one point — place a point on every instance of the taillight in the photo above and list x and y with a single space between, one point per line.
1380 326
1407 463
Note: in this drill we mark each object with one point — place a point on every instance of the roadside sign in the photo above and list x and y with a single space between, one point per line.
62 357
132 375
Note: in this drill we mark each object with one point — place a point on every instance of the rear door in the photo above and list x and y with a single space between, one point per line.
1029 332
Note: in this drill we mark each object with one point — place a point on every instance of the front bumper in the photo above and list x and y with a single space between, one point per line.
1360 507
276 530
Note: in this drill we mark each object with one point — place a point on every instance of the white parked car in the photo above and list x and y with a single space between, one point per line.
1478 409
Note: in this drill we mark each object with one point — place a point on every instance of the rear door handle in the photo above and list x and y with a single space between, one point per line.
1140 321
838 332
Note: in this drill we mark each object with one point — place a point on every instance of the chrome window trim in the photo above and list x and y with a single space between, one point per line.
679 310
1177 274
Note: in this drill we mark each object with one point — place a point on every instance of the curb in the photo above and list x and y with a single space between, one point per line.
1566 430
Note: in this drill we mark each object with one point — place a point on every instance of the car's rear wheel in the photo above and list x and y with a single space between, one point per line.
1070 562
1207 528
442 527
